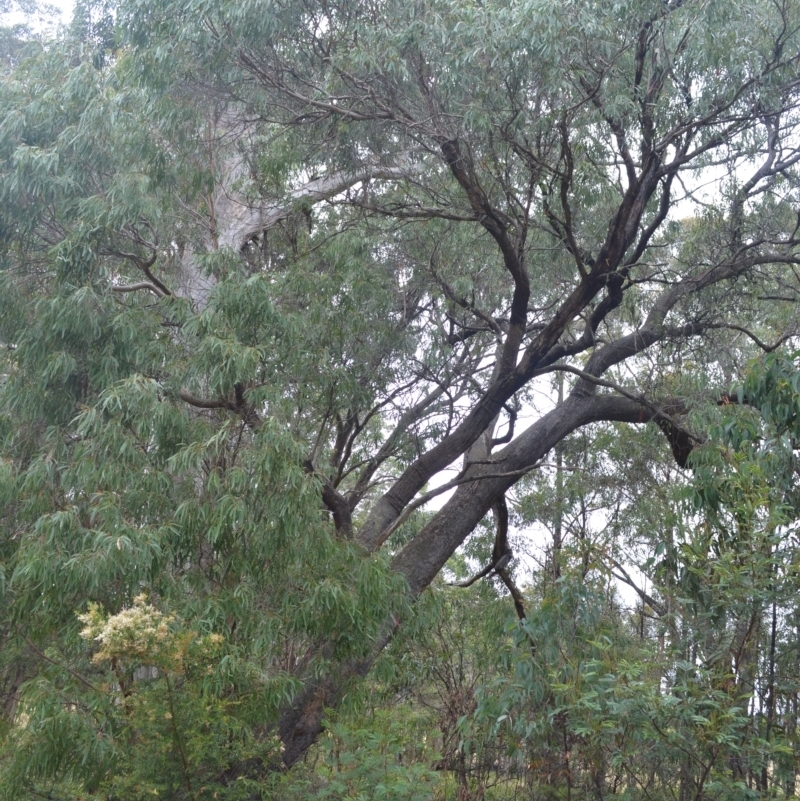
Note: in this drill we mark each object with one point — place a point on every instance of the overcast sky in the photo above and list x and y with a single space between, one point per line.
65 6
58 11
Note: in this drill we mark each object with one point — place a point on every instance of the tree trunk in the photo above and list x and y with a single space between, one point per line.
422 558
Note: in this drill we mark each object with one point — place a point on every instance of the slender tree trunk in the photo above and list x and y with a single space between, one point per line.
794 708
558 536
770 695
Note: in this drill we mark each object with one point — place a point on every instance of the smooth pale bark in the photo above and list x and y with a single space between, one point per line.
236 215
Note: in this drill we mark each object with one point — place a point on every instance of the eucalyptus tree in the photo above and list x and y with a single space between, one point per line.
269 268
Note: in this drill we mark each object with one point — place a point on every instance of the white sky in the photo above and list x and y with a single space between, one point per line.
54 12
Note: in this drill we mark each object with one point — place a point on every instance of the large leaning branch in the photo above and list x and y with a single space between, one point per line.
138 286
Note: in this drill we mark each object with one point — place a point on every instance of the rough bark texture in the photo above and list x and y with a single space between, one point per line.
422 559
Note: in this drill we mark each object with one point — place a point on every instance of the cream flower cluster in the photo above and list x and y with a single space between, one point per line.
141 632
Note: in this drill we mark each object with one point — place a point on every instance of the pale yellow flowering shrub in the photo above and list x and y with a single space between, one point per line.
143 634
140 632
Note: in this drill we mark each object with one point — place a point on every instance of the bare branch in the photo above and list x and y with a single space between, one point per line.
136 287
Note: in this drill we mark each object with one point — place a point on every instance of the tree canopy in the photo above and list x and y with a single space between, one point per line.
270 268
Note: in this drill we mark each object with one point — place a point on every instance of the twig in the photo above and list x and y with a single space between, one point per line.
69 670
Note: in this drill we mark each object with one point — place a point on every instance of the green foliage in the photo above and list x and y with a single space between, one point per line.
182 390
378 753
589 704
113 487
